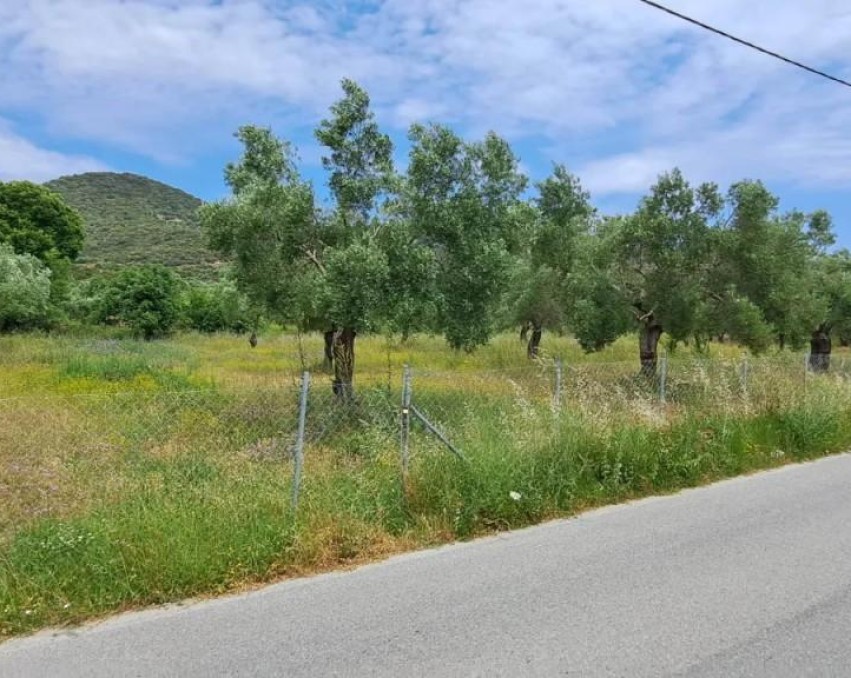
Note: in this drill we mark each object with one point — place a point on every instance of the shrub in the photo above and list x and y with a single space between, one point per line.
217 307
24 291
143 298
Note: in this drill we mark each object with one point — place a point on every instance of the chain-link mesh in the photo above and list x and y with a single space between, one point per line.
524 404
369 414
62 454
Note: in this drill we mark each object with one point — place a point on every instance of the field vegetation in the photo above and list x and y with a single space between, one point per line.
135 473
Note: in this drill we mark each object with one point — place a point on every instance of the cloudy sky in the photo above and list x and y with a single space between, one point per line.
614 89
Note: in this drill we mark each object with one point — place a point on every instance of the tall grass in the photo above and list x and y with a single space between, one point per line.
134 474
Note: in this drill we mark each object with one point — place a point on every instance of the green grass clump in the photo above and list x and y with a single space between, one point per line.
106 368
190 534
194 527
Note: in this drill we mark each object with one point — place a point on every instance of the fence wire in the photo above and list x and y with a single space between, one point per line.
52 446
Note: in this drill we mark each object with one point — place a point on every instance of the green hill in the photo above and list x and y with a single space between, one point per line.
131 219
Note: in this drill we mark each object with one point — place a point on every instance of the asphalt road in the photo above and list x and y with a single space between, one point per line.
750 577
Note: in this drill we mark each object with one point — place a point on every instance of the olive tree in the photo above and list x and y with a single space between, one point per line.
351 268
778 282
462 202
650 268
831 276
542 294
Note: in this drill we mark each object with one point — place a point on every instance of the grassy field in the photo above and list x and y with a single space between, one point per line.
133 474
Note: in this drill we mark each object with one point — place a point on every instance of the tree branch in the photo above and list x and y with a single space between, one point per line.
643 318
311 254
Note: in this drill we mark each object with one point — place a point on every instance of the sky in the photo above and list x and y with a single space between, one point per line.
615 90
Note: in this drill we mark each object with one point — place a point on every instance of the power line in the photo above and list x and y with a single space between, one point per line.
723 34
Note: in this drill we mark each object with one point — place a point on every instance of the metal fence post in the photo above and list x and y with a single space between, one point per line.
807 372
663 378
298 452
405 423
558 385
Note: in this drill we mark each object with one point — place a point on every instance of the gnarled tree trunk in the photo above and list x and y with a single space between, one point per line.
820 348
524 332
648 344
329 349
534 345
344 363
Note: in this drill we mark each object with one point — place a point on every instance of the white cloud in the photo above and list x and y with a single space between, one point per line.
171 77
20 159
791 137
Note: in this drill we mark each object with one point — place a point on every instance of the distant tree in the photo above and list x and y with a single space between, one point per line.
35 220
84 299
541 293
654 263
216 307
146 299
24 291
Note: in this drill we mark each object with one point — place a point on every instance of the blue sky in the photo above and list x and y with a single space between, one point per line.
613 89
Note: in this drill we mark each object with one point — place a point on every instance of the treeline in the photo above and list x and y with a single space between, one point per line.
458 244
149 301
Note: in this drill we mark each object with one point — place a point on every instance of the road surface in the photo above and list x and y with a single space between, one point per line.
750 577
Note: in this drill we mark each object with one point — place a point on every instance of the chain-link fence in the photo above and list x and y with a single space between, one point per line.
416 413
422 411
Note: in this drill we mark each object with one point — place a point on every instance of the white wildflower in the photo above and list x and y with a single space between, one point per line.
516 496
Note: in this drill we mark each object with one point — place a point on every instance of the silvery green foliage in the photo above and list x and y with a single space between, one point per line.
461 200
24 290
455 246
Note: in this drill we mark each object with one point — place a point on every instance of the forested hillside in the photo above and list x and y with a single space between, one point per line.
130 219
